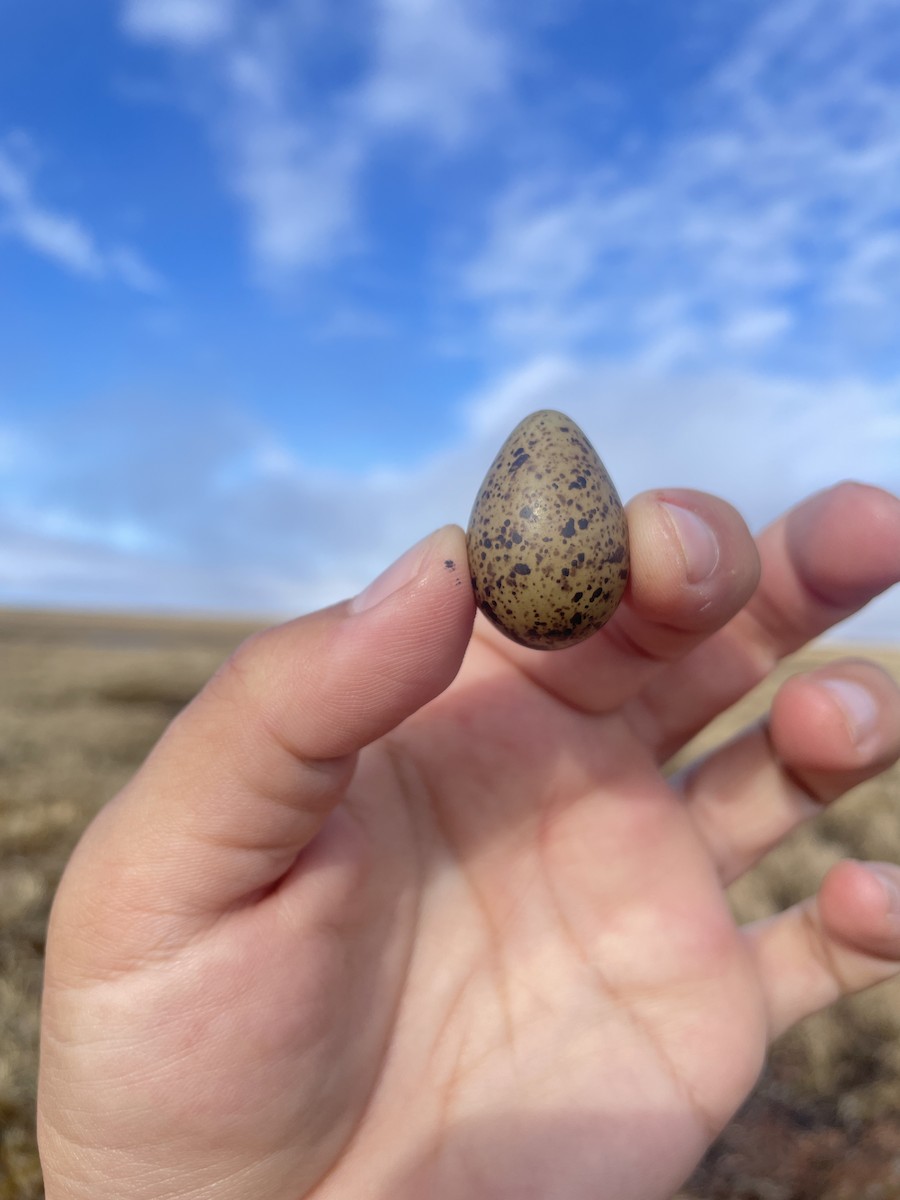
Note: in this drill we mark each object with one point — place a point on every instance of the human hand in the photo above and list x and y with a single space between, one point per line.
490 955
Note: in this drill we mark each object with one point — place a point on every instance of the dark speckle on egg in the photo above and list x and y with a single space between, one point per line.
548 539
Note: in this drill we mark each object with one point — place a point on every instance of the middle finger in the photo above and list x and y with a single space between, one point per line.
694 565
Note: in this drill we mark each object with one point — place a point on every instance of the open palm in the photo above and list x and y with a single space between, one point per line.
491 955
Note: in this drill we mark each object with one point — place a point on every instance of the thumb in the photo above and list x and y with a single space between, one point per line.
245 776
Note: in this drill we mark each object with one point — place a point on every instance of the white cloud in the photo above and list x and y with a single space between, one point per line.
16 451
294 172
221 513
869 272
300 196
129 266
770 209
61 238
761 442
540 231
13 179
756 327
186 23
437 64
54 235
64 525
58 236
298 164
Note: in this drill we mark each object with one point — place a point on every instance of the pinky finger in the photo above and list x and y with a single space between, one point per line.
841 941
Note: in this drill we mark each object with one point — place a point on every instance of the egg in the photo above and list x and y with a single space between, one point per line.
547 538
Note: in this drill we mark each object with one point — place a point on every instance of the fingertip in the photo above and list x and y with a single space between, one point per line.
426 592
694 561
858 709
887 877
842 941
859 904
446 578
845 542
438 555
419 628
842 717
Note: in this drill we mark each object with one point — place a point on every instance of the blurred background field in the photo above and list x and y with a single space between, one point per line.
83 698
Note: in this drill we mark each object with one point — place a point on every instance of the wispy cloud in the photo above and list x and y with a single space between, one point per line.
211 513
426 68
300 197
295 174
773 207
126 264
58 236
52 234
437 63
767 209
185 23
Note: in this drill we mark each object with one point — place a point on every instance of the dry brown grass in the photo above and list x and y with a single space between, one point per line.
83 698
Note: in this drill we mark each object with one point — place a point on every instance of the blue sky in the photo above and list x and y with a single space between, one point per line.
276 278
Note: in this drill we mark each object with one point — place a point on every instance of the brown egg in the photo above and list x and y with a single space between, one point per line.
548 539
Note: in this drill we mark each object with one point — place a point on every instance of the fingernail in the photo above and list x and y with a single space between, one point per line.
887 876
699 543
405 569
858 705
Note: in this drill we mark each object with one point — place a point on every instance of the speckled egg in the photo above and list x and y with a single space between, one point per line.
548 539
